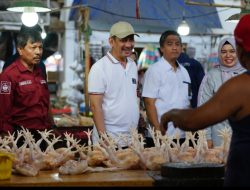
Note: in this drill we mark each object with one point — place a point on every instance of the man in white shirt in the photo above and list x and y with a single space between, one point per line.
167 83
112 86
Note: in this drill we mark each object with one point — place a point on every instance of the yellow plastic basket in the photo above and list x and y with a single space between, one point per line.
5 165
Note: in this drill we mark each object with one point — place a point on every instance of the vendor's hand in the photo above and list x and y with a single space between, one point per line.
164 123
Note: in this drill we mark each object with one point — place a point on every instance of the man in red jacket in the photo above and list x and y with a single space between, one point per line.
24 94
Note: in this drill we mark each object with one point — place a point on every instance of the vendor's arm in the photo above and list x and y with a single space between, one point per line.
224 104
152 112
96 108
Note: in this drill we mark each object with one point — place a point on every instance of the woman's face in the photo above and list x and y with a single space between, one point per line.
228 55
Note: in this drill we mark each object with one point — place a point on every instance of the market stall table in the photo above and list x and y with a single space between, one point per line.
53 178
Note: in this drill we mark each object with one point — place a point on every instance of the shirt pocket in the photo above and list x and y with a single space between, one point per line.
186 87
27 95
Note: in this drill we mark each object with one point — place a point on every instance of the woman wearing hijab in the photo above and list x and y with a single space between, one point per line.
228 67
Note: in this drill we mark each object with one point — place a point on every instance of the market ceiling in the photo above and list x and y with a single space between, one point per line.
150 16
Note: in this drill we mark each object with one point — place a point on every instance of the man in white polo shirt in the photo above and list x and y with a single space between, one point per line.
166 83
112 85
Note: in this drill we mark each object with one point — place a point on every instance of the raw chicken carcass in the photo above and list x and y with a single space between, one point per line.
72 167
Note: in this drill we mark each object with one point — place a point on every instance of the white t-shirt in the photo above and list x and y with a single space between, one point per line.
118 85
170 88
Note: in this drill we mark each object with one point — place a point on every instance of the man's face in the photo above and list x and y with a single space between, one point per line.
122 48
31 53
171 48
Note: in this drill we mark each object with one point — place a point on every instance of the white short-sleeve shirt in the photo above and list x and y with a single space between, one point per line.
170 88
118 86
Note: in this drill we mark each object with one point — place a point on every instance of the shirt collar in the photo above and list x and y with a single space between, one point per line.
114 60
168 65
22 68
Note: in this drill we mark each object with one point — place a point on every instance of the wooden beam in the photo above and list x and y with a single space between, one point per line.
85 16
188 2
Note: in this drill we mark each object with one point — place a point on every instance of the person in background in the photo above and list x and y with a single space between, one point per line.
167 83
112 86
228 67
196 73
141 72
24 95
231 101
134 56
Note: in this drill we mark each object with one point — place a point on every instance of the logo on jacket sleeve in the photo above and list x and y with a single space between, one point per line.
5 87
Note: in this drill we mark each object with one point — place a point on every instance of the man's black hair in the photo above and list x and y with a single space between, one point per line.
33 28
29 33
165 34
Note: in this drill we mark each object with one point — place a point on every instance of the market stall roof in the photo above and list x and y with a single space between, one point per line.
155 16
